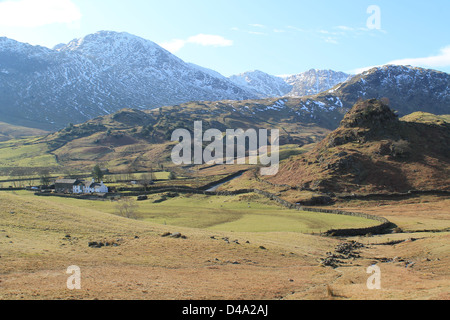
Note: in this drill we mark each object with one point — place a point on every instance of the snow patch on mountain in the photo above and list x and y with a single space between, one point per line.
262 84
314 81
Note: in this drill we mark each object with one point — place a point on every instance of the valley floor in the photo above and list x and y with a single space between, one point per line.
40 238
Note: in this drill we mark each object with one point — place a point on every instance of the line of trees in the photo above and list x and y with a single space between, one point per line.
27 177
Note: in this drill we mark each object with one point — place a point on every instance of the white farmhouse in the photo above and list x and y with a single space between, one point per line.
95 187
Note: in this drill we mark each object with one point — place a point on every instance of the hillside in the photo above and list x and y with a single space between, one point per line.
142 137
8 132
374 151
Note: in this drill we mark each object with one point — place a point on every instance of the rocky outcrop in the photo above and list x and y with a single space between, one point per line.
374 151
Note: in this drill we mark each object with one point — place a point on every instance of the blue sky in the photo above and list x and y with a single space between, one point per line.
234 36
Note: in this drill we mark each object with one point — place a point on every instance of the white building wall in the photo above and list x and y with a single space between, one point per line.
100 189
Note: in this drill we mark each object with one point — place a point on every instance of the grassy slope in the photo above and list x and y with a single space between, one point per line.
35 255
9 131
29 152
427 118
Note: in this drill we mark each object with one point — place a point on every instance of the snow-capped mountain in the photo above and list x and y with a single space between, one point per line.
262 84
314 81
299 85
97 75
211 72
108 71
408 89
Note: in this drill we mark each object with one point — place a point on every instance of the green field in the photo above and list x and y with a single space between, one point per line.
25 153
245 213
239 214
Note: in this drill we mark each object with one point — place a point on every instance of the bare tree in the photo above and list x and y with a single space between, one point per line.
44 177
127 208
29 180
129 173
146 180
20 175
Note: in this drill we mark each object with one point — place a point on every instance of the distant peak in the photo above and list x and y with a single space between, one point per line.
398 68
253 72
59 46
103 35
108 41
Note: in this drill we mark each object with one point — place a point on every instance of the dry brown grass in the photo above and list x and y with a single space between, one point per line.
36 254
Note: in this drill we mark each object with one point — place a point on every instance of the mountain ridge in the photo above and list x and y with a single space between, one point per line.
412 88
314 81
97 75
262 84
299 85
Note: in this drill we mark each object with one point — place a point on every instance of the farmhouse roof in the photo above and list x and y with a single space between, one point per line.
92 184
66 181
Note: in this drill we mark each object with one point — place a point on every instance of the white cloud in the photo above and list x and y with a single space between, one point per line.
173 45
440 60
206 40
361 70
37 13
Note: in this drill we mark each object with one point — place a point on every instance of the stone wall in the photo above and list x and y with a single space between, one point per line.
186 190
381 228
223 180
